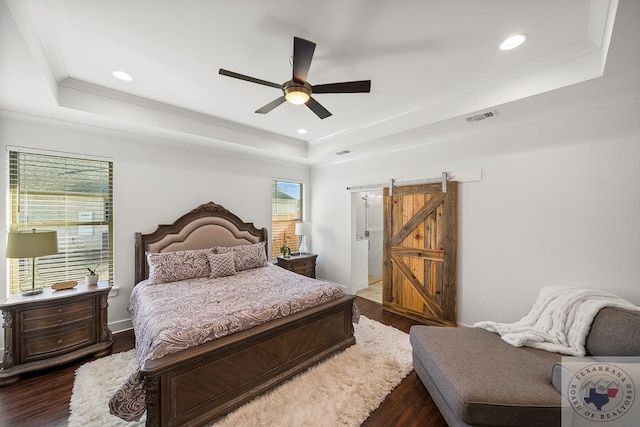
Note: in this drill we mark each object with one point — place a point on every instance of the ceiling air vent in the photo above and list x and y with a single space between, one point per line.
482 116
343 152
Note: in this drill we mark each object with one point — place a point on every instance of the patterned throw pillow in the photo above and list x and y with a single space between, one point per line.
222 264
167 267
247 256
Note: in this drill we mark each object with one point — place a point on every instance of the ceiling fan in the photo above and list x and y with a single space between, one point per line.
298 90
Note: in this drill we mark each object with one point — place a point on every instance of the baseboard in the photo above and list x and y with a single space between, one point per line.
121 325
360 286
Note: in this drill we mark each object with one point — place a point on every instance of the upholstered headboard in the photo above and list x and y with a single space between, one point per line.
204 227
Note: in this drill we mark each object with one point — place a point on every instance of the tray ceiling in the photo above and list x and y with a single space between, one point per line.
432 64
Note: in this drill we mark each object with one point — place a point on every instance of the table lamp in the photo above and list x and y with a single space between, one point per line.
303 229
32 244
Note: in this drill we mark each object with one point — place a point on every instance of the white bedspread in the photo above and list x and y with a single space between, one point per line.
559 320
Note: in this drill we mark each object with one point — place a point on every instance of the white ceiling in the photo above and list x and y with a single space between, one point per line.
431 63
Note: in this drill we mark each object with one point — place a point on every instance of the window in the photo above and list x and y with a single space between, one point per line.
286 211
73 196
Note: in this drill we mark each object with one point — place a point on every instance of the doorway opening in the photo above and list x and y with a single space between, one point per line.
367 207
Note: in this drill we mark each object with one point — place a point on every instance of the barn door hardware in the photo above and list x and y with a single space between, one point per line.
443 178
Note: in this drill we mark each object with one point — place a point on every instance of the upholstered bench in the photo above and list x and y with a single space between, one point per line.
475 378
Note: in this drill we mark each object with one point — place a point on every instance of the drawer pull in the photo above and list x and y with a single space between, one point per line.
59 320
59 310
59 342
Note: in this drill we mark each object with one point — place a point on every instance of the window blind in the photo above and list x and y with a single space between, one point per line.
286 211
73 196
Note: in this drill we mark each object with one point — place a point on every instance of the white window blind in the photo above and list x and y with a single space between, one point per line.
286 211
73 196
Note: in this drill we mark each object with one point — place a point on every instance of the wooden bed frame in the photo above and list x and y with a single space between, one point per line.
200 384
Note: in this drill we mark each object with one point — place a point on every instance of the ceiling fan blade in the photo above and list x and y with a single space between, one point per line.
315 106
249 79
270 106
361 86
302 56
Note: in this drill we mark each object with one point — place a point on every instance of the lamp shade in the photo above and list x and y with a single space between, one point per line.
32 243
303 229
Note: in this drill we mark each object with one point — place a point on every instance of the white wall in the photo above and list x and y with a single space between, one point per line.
559 204
154 182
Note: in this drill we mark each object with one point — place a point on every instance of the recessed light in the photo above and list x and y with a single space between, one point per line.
122 76
301 131
513 41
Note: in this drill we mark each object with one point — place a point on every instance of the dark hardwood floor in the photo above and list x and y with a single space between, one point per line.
42 399
409 404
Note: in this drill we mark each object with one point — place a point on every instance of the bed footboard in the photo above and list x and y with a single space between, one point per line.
198 385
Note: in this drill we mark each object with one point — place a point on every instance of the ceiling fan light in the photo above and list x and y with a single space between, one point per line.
297 97
296 93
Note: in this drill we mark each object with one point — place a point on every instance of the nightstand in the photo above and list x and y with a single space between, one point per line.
304 264
54 327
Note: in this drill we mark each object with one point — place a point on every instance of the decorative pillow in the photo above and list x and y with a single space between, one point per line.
167 267
222 264
247 256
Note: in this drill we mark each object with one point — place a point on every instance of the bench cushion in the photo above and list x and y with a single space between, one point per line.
486 381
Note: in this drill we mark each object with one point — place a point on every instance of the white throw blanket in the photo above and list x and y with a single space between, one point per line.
559 320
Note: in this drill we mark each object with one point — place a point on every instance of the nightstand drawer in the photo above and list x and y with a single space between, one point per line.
38 346
57 309
305 269
38 319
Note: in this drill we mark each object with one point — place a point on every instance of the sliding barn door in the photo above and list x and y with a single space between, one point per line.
419 252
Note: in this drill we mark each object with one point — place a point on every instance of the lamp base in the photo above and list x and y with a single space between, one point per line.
34 283
303 245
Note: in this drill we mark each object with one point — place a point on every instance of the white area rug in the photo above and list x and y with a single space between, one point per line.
341 391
